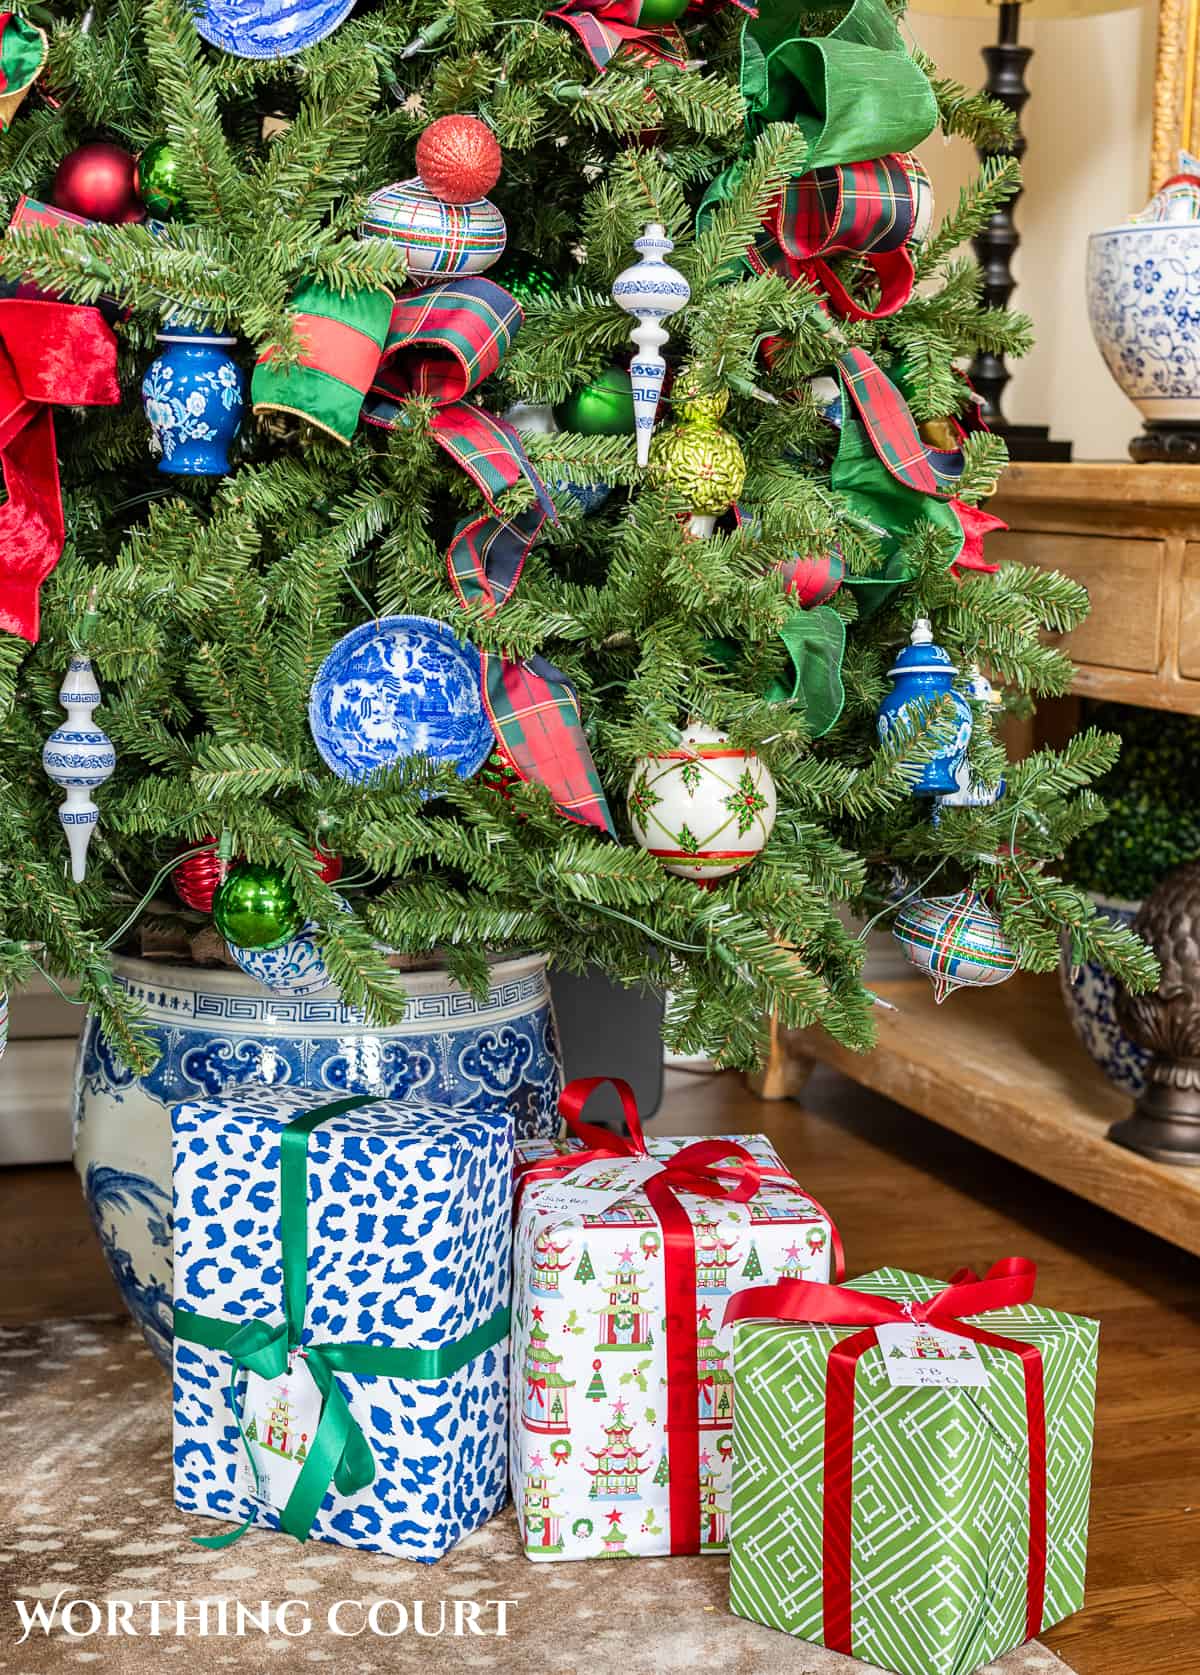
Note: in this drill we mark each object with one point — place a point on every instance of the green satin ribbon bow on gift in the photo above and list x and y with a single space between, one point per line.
339 1453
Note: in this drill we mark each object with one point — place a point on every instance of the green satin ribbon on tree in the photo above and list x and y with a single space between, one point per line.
816 643
870 490
339 1453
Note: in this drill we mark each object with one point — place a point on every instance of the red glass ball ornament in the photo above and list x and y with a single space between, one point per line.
196 880
811 581
332 866
99 182
458 158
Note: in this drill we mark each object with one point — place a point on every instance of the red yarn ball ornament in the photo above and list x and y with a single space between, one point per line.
196 880
99 182
458 158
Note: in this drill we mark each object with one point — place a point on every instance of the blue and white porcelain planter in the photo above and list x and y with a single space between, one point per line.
1143 295
221 1028
1090 995
193 394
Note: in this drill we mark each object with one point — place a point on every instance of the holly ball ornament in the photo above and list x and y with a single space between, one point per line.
704 809
458 158
697 457
99 182
255 907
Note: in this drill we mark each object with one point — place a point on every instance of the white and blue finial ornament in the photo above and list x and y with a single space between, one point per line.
79 756
922 675
651 290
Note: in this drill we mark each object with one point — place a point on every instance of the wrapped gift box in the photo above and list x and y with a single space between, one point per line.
407 1218
592 1461
936 1504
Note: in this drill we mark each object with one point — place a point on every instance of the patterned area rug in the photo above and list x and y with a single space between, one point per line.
86 1516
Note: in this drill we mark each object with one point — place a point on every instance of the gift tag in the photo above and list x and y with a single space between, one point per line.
592 1188
925 1355
280 1418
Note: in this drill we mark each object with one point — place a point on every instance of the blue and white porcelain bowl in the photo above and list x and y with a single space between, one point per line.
269 28
1090 995
1143 294
217 1029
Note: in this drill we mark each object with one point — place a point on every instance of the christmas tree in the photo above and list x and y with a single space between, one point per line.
753 1268
812 488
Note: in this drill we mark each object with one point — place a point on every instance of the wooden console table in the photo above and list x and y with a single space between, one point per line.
1002 1065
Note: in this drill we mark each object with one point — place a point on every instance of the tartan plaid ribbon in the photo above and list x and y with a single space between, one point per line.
605 26
442 343
865 209
892 429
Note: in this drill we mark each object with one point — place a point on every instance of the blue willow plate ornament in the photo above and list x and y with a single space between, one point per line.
398 687
269 28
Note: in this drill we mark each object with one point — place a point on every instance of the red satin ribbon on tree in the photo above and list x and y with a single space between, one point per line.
698 1169
51 353
1006 1284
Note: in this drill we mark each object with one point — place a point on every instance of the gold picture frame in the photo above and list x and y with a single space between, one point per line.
1176 122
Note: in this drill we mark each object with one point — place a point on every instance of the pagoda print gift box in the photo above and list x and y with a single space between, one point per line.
341 1317
913 1465
625 1253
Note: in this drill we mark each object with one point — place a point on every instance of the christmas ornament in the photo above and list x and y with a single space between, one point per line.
193 396
923 204
156 179
330 867
51 354
652 291
255 907
399 687
922 675
532 419
438 239
342 338
942 434
526 278
99 181
957 941
79 757
605 407
661 11
498 774
972 792
699 459
198 879
270 28
811 581
704 809
23 51
827 393
458 159
295 967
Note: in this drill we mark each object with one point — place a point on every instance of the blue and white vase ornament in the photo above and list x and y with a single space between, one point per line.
193 393
972 792
957 941
533 419
922 674
651 290
79 756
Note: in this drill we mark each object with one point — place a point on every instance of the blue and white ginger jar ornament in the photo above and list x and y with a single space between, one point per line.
193 393
957 941
652 290
79 756
922 674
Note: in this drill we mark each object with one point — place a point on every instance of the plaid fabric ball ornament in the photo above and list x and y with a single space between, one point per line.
957 941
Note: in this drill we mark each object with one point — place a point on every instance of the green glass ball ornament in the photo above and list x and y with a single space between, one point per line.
157 180
602 408
657 12
256 908
526 277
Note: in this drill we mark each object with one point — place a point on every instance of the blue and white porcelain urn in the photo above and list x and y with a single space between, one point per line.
193 393
921 674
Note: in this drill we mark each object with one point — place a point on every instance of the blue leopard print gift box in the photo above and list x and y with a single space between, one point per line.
341 1317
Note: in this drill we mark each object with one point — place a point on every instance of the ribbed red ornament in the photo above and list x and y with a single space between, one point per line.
458 158
331 866
197 878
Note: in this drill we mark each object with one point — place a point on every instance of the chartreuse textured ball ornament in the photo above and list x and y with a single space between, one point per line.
602 408
704 809
157 180
256 908
696 457
458 158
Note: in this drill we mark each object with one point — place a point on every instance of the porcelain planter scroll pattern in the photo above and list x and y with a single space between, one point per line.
219 1029
1143 293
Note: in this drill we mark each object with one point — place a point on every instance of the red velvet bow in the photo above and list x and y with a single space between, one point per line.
710 1169
1006 1285
51 353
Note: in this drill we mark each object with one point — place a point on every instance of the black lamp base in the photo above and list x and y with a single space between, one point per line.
1163 443
1033 442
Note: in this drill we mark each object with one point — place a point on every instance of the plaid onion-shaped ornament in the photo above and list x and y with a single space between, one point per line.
957 941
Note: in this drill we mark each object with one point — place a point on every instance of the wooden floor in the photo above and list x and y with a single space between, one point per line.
905 1192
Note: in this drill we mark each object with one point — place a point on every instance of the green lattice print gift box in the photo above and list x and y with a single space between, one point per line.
910 1545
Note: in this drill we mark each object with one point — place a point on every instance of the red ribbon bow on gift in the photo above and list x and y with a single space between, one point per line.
1006 1285
709 1169
51 353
